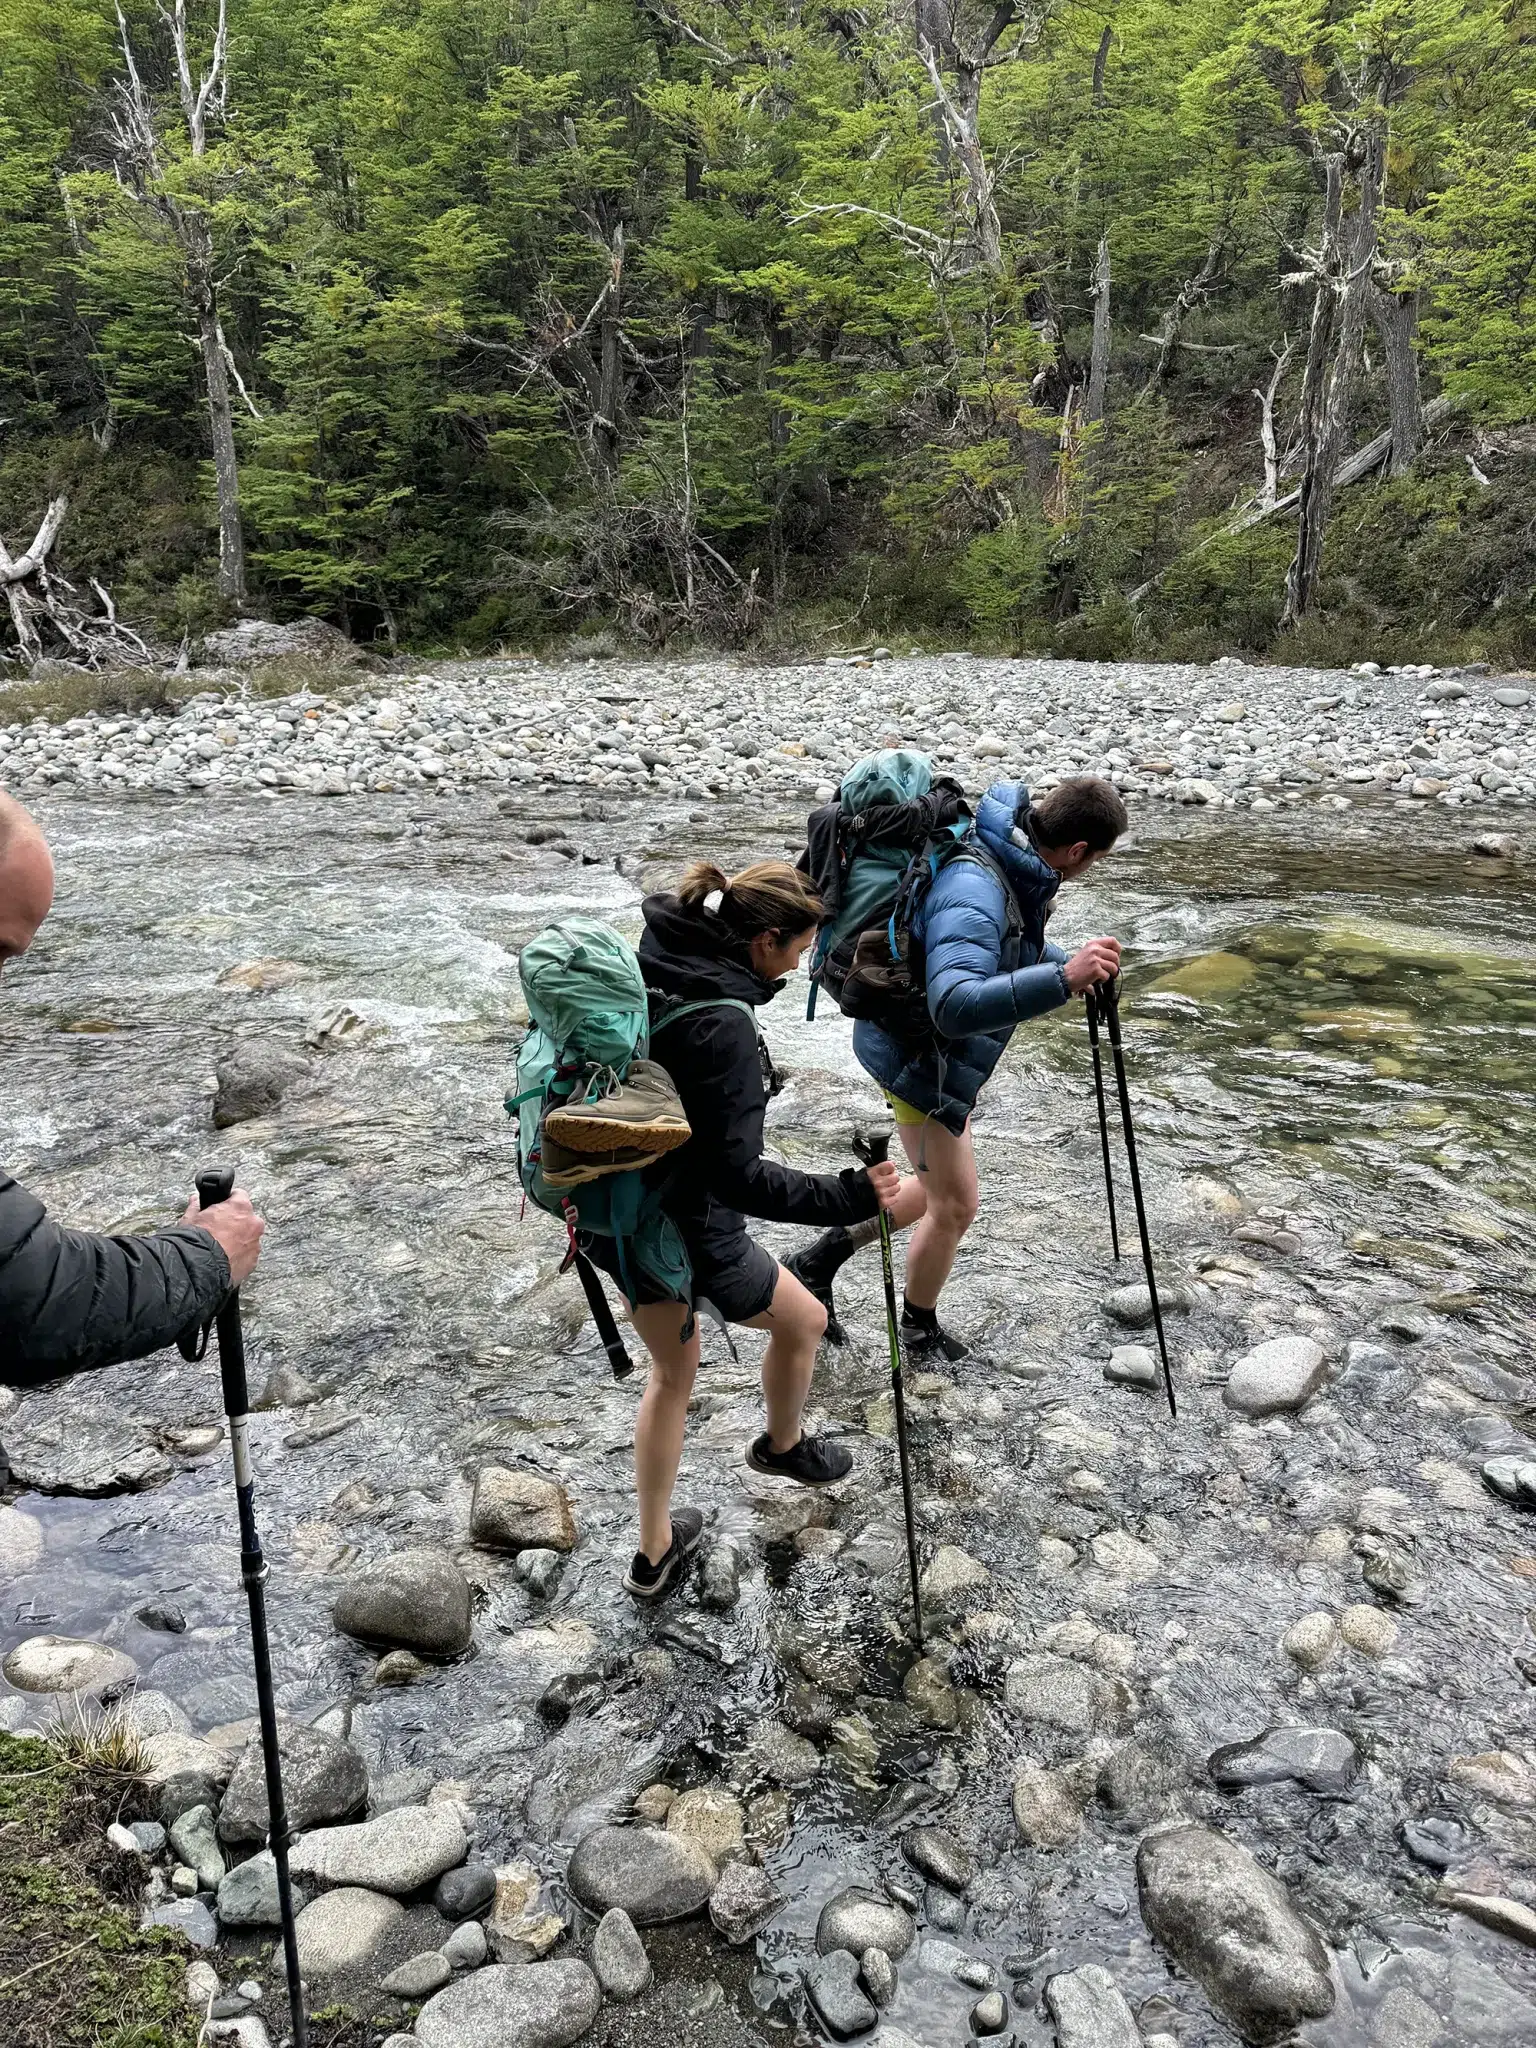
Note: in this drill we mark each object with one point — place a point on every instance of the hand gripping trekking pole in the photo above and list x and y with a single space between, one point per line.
872 1148
212 1188
1091 1004
1109 997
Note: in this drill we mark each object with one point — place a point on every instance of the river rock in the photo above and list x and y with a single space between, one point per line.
1496 1774
467 1948
928 1692
418 1977
416 1599
252 1081
1311 1641
858 1919
954 1580
773 1752
712 1817
463 1892
1370 1630
397 1853
188 1917
1322 1759
521 2005
936 1853
520 1511
324 1779
67 1664
196 1842
832 1985
21 1542
720 1577
1131 1365
743 1902
1222 1917
1504 1916
655 1877
343 1929
92 1459
1512 1479
539 1571
618 1956
1276 1377
248 1893
147 1712
1132 1305
285 1387
989 2015
1057 1693
1089 2011
1046 1809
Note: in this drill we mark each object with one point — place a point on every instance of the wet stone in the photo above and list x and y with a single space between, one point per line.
859 1919
528 2005
946 1960
1512 1479
712 1817
941 1909
989 2015
573 1692
67 1664
1089 2010
928 1692
520 1511
809 1712
1131 1365
1369 1630
162 1616
743 1902
417 1599
1321 1759
774 1753
539 1571
21 1542
323 1780
465 1891
1436 1840
1496 1774
655 1877
1132 1305
936 1853
398 1667
720 1577
832 1986
1046 1811
252 1081
1276 1377
954 1581
94 1459
287 1388
1225 1920
618 1957
1057 1693
1312 1641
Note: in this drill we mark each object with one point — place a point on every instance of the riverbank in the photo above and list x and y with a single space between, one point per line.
1329 1020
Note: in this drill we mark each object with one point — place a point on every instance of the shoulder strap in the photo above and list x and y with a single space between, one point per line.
713 1003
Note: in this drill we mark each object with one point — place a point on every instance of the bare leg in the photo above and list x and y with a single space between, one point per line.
662 1419
948 1170
795 1321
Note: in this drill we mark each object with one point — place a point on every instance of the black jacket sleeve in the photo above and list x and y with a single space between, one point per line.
70 1300
721 1084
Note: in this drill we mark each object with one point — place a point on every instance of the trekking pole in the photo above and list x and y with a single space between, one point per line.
872 1148
212 1188
1091 1003
1111 1001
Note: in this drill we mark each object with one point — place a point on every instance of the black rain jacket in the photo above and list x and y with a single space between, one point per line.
70 1300
720 1176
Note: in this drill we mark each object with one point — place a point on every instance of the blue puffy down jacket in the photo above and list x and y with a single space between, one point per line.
982 979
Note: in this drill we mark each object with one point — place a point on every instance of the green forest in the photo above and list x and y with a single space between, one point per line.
1072 325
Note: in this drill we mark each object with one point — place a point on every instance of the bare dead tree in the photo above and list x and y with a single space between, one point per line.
957 56
137 152
1270 493
45 616
1098 355
1192 293
1396 314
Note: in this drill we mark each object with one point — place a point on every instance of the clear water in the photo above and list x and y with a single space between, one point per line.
1329 1019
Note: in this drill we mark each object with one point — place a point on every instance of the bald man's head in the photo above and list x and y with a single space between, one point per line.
26 879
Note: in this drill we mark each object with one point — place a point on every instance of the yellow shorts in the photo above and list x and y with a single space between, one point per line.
903 1112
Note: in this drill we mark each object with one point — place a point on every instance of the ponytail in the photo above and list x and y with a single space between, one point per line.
769 896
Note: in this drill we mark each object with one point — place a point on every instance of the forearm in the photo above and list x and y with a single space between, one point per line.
782 1194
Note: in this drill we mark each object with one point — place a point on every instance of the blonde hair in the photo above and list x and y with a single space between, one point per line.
769 896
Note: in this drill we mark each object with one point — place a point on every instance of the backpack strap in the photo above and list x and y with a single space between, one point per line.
713 1003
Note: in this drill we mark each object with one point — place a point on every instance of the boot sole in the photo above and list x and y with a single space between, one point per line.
778 1472
606 1134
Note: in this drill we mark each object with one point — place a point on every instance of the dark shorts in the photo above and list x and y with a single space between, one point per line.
733 1274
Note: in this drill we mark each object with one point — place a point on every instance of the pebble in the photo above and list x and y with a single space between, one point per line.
720 1577
1312 1642
654 1876
418 1599
936 1853
1225 1920
858 1919
833 1988
989 2015
397 1853
618 1956
1276 1377
1089 2010
524 2005
520 1511
467 1948
1370 1630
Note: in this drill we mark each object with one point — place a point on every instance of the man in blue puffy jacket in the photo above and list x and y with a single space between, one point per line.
980 929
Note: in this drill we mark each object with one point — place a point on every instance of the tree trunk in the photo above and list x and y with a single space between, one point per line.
1098 360
1397 315
1190 296
1267 438
221 426
1099 63
1301 577
610 376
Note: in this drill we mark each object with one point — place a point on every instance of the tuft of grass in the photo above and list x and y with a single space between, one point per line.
105 1746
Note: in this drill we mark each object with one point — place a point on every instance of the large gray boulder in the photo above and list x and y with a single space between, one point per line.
416 1599
517 2005
653 1876
67 1664
343 1929
324 1779
252 1080
1223 1918
858 1919
254 640
397 1853
1276 1377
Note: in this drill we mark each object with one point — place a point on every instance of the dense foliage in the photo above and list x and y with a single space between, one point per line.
706 316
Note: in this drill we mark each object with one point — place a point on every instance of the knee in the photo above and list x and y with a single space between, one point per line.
672 1378
954 1211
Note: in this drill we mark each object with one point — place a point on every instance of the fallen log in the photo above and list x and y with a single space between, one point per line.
1367 458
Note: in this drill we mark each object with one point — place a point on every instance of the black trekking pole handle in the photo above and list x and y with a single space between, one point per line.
872 1148
214 1186
1111 1002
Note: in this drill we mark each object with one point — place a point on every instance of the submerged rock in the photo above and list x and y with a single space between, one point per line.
1132 1305
1089 2010
252 1081
1058 1693
1046 1809
416 1599
833 1988
1222 1917
712 1817
743 1902
1276 1377
1321 1759
655 1877
1512 1479
936 1853
1132 1365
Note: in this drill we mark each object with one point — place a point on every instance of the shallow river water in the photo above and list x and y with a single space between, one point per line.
1330 1025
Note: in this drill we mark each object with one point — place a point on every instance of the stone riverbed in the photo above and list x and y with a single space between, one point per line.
1224 1729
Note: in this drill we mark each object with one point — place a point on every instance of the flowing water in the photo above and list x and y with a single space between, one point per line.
1330 1026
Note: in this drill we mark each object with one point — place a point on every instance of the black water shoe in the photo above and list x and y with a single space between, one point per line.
814 1461
649 1581
923 1336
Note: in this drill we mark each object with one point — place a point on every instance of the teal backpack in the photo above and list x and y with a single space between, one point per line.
588 1011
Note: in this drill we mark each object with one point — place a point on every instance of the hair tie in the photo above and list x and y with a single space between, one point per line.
715 900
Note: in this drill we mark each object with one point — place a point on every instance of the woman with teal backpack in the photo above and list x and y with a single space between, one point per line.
712 956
